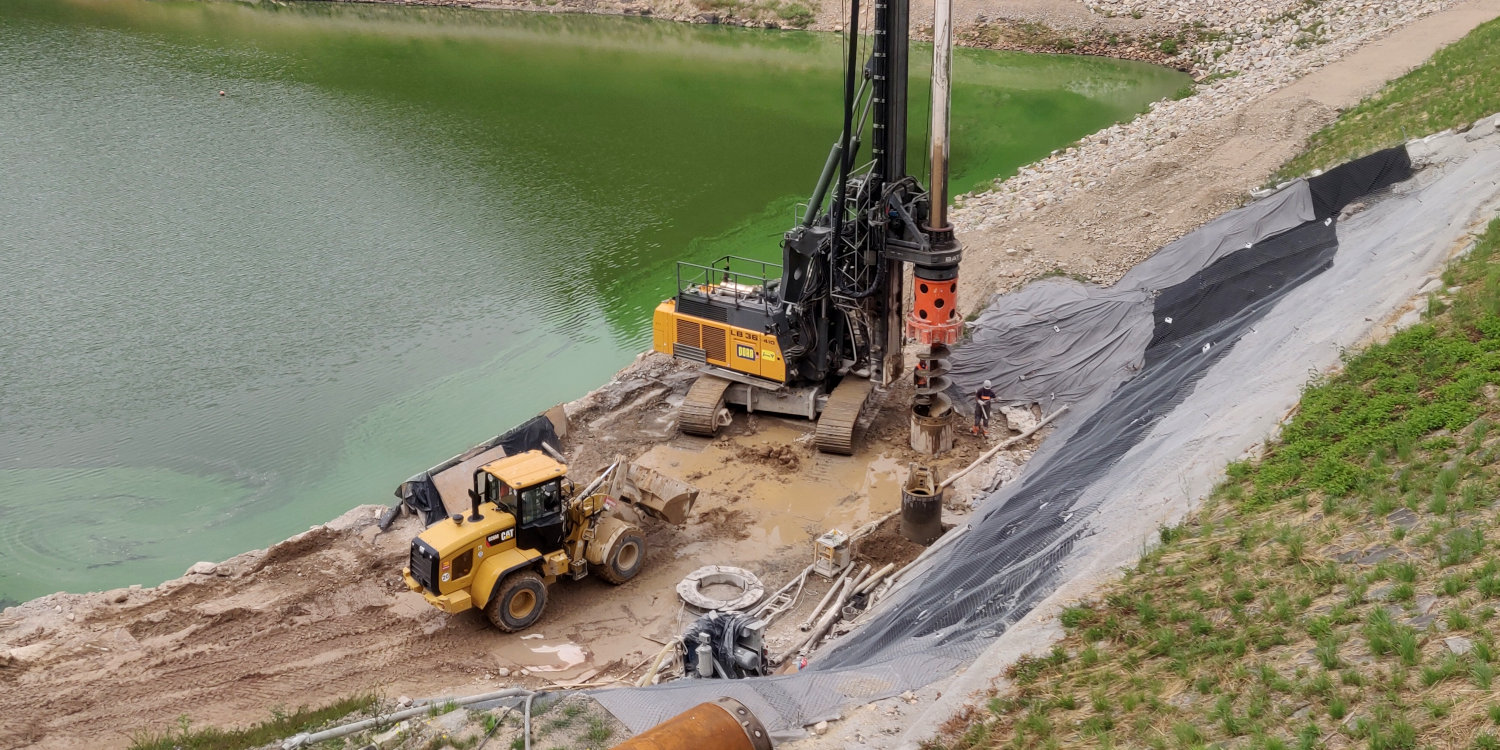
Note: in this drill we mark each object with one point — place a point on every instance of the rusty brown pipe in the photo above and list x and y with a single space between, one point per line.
725 724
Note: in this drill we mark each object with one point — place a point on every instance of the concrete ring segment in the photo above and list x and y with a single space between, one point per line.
691 588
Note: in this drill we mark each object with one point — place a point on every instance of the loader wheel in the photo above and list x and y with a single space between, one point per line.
518 601
625 558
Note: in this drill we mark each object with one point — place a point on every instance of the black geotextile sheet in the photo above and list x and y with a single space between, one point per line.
421 494
1056 341
1335 189
1009 553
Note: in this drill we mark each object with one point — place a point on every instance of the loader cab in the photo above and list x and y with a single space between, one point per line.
528 486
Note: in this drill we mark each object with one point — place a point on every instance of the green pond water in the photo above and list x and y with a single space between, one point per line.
225 319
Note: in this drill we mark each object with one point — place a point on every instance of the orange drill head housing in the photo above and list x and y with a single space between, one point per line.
934 315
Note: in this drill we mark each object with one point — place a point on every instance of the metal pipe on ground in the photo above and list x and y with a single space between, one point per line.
830 604
314 738
818 625
1002 446
835 611
725 724
813 616
874 579
849 593
832 615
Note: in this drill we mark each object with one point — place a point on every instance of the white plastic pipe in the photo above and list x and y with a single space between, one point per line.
813 615
874 579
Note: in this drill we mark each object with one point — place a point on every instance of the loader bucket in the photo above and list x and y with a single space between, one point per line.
661 496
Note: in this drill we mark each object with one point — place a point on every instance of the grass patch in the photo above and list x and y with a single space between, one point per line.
1459 85
281 725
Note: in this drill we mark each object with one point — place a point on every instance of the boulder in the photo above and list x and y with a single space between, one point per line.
1018 417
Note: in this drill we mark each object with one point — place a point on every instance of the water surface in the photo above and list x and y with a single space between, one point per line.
402 231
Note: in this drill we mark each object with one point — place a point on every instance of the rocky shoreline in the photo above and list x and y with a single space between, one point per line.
1236 56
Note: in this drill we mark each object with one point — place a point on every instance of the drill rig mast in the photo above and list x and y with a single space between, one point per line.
815 335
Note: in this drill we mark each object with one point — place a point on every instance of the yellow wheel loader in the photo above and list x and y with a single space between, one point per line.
528 526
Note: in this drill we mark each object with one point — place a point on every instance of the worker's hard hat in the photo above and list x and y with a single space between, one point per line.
986 384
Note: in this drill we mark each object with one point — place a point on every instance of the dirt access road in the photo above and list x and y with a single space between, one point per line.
325 615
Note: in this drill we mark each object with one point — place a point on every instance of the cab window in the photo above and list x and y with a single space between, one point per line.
496 491
540 503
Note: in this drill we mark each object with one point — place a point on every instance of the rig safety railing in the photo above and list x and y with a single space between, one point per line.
730 279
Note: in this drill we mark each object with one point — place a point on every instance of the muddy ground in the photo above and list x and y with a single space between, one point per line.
325 614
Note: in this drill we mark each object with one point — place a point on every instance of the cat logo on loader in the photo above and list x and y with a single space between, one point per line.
528 526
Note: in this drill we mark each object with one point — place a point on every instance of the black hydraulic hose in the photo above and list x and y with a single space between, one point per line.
835 158
874 287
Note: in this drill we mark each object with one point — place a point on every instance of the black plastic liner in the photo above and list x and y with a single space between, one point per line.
1335 189
1215 285
1007 559
421 494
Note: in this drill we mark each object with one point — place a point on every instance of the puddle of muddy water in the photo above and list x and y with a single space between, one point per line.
779 503
765 495
541 654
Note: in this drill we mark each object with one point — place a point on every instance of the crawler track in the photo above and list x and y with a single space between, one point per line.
835 433
703 407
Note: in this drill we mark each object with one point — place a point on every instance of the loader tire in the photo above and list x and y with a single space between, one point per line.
518 601
625 558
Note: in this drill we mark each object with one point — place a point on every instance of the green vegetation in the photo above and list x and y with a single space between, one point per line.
1287 613
598 731
797 15
1033 36
280 726
1459 85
